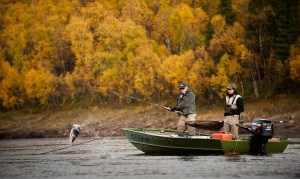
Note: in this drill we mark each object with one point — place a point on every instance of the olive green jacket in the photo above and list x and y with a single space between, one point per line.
186 103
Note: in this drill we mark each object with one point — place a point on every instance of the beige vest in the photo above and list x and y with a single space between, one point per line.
232 100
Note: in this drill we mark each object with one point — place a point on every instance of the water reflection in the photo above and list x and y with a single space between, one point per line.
187 158
117 158
233 158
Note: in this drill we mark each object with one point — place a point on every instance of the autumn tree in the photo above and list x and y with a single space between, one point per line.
260 34
225 38
14 33
176 69
180 30
141 72
130 65
33 32
295 61
11 86
202 77
137 11
39 85
82 47
240 7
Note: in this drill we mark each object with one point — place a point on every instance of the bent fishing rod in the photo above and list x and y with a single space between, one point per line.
131 97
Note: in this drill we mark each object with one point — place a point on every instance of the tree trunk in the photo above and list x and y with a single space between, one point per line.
210 93
255 88
168 43
253 67
242 87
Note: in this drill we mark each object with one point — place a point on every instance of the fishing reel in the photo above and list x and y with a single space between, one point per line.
228 109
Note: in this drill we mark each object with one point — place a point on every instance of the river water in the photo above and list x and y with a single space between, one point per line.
115 157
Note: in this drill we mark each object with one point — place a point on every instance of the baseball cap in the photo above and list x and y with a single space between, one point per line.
182 85
231 86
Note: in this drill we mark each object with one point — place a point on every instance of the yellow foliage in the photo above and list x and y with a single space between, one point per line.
145 69
241 8
81 39
226 39
124 58
194 78
295 68
220 82
71 85
175 69
39 85
94 13
138 75
182 28
241 51
228 70
201 72
109 80
218 24
16 43
11 86
137 11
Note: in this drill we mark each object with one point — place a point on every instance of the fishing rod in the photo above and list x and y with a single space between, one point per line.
132 97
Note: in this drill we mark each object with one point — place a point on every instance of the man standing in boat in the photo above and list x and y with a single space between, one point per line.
187 106
233 108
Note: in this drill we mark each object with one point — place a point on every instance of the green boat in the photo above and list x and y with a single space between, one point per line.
166 141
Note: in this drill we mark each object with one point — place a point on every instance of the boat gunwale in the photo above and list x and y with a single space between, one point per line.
148 132
143 131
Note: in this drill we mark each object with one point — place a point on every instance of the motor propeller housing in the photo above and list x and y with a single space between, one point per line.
263 127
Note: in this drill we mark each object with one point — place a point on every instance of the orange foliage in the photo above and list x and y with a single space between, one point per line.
11 86
54 51
39 85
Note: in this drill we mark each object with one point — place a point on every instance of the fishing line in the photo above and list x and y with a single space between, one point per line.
70 146
131 97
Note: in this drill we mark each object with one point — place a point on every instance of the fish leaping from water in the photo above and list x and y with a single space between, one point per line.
74 132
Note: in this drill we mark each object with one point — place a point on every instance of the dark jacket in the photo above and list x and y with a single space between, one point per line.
186 103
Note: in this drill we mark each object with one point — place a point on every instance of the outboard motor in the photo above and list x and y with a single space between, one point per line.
262 131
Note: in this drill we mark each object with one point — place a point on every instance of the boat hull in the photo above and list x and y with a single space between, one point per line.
165 141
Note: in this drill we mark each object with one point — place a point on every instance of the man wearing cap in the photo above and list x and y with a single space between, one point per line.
187 106
233 108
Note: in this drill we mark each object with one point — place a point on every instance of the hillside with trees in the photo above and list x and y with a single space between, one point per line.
57 52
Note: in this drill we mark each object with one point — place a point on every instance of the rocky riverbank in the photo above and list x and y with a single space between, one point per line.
110 122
